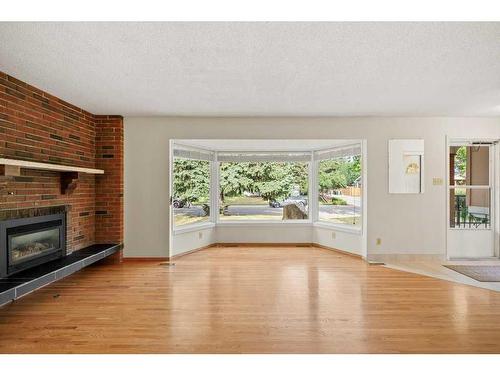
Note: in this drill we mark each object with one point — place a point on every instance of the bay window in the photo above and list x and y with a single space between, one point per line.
324 186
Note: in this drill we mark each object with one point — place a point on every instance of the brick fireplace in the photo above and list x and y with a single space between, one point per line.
37 126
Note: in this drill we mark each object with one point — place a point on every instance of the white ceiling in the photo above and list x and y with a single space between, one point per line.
263 144
268 69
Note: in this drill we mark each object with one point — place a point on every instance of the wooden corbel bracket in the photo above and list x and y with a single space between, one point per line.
10 170
69 182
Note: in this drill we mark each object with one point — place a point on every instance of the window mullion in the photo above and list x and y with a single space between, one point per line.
214 190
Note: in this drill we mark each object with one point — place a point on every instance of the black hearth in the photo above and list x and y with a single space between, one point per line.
30 241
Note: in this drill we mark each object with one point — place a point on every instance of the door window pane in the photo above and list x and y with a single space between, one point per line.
469 165
470 208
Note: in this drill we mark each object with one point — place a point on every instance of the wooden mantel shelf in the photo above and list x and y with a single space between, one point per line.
48 166
69 174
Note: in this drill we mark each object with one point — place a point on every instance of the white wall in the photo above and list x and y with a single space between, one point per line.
330 237
406 224
183 242
264 233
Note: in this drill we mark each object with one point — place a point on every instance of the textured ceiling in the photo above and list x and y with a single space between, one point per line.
268 69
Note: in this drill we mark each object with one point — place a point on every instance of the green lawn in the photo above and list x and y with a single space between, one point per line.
334 202
250 201
349 220
182 219
250 217
345 220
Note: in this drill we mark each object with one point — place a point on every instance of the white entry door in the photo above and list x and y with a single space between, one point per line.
471 203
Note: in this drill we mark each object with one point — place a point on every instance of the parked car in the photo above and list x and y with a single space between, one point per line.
299 199
180 203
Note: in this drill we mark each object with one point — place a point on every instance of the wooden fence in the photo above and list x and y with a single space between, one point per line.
351 191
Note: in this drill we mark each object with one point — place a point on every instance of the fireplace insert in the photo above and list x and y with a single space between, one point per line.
29 242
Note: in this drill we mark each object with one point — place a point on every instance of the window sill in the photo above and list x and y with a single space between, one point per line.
263 223
339 228
193 228
204 226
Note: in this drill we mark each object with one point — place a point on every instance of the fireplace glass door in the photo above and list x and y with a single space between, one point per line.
25 246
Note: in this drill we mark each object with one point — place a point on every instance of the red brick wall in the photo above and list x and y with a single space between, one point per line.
37 126
109 186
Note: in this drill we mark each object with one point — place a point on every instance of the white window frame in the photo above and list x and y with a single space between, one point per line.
341 227
210 223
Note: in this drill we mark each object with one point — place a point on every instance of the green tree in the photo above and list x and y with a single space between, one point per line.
338 173
352 169
191 180
234 179
272 180
461 161
330 175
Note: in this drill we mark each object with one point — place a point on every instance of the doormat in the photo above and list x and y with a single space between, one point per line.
479 273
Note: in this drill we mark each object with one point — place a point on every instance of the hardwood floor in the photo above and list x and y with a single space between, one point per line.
252 300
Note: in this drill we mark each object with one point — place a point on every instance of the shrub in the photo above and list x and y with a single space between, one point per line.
338 201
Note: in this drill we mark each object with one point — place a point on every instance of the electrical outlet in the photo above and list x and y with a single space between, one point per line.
379 241
200 235
334 235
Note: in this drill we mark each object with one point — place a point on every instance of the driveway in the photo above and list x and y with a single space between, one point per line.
193 211
346 210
